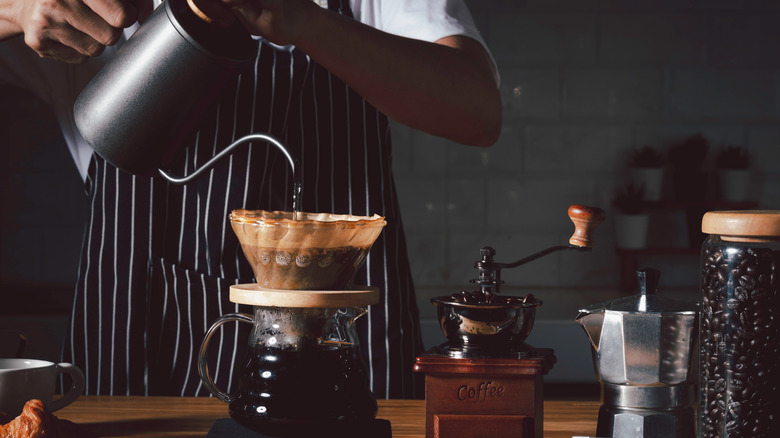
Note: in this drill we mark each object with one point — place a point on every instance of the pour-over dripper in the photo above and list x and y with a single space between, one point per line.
314 251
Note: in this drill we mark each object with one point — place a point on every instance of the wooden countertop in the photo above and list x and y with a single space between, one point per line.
119 416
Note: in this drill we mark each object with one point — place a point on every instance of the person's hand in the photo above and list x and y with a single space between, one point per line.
74 30
279 21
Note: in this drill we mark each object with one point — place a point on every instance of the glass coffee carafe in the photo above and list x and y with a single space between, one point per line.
303 362
302 367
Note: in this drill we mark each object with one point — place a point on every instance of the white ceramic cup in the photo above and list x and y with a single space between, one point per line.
22 380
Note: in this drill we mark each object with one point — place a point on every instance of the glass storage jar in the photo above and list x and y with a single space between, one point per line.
739 335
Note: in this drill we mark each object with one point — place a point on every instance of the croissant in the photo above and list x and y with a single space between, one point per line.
36 422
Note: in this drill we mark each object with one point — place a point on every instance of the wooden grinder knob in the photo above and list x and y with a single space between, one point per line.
585 221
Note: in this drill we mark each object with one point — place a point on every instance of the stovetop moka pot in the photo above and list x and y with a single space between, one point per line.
644 354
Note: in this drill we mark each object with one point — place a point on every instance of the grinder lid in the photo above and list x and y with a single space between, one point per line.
647 301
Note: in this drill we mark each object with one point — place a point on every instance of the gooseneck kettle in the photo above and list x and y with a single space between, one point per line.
141 107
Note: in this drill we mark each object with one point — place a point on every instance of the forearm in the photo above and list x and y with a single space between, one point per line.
9 26
446 91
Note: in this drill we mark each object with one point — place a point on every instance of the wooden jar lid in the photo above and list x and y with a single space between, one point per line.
256 295
743 225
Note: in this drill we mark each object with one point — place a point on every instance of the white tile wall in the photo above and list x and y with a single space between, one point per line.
651 39
543 39
766 142
573 150
618 94
723 94
502 158
530 93
733 43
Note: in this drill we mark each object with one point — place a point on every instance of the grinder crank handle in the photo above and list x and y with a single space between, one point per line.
585 219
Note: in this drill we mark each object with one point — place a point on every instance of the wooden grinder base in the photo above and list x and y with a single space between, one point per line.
479 397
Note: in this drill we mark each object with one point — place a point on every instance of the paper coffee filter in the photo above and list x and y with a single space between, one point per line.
277 229
313 251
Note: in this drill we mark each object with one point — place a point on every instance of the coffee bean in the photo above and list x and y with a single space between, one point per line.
747 281
742 294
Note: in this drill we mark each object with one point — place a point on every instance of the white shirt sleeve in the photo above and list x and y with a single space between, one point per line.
427 20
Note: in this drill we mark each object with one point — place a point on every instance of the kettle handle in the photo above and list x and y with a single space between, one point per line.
585 219
203 366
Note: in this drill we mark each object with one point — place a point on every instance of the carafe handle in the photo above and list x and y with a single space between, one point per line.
203 366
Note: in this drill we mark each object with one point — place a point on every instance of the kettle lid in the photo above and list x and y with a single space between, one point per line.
646 301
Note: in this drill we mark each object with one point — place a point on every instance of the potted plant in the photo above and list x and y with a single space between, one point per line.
687 161
646 168
631 220
733 167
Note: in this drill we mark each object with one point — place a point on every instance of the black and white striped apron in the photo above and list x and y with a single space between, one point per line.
158 259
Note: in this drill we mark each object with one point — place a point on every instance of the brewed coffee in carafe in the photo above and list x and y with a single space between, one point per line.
318 378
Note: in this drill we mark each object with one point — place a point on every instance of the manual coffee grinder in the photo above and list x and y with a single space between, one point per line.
643 352
485 380
302 374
